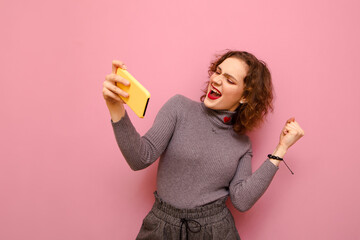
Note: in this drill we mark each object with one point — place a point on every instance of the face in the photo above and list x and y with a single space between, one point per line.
226 85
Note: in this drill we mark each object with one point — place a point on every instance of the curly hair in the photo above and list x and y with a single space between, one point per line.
258 91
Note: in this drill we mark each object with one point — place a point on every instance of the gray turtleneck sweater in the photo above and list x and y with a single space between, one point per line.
201 157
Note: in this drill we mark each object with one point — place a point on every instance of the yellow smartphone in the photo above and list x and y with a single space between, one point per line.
139 97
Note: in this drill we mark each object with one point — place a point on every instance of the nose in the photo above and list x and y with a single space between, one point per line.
217 80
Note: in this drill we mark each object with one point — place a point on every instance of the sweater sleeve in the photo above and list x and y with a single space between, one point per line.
247 187
141 151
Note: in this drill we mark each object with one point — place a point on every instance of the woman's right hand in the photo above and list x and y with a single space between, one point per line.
111 92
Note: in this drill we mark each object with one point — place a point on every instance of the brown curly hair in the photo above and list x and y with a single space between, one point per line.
258 91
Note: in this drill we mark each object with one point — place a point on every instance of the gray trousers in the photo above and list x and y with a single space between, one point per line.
210 221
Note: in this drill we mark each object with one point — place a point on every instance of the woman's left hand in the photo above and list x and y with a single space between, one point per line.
290 133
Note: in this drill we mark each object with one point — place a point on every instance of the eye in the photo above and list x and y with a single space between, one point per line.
231 82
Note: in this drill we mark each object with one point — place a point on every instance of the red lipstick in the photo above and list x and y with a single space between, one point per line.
214 94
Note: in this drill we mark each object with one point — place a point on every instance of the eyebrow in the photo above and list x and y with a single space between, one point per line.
228 75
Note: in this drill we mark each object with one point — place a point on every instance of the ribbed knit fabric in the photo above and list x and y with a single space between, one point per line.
201 157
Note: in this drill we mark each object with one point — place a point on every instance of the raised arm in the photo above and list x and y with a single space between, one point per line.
138 151
246 187
142 151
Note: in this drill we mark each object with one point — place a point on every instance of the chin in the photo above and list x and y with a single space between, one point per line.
209 104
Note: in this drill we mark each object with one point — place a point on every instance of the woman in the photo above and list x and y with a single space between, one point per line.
205 154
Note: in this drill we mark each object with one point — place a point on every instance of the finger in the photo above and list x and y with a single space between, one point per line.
287 127
116 78
290 120
293 124
115 89
296 123
295 131
109 95
117 64
286 130
291 130
301 130
118 91
297 127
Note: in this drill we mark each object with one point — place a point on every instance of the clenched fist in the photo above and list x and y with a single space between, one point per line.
291 133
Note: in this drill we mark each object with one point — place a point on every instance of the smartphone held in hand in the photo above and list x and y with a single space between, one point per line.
138 95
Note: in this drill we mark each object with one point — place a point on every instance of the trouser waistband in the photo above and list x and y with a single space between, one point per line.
204 214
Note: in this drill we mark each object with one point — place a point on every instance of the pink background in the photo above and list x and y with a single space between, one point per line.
62 175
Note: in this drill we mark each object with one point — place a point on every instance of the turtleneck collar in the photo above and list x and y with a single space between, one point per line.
221 118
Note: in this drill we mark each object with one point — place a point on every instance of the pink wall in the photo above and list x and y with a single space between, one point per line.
61 173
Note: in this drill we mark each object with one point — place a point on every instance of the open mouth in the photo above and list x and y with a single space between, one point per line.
214 93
